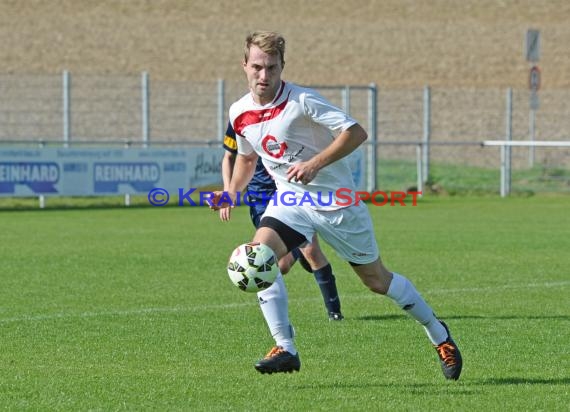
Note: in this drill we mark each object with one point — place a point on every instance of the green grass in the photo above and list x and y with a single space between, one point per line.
456 179
116 309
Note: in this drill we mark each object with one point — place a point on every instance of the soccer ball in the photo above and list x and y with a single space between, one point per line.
253 267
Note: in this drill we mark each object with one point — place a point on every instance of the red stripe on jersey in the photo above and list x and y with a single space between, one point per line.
257 116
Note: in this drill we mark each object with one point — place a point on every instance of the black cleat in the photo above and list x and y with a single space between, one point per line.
335 316
278 360
449 357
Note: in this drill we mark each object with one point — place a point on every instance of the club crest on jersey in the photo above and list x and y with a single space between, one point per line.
272 147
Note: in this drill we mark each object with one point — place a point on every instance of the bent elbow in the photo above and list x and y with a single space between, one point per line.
362 136
358 133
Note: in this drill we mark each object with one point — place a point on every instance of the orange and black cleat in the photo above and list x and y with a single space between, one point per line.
449 357
278 360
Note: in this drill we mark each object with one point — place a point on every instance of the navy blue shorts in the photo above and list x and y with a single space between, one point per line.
255 213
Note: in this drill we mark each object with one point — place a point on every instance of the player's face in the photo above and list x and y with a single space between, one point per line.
263 72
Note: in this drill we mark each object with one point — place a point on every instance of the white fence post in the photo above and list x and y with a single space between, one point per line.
503 171
420 169
66 80
221 109
145 107
507 150
427 132
532 133
373 136
346 99
127 197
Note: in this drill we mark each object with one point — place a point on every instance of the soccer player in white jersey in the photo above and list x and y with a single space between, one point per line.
303 140
261 189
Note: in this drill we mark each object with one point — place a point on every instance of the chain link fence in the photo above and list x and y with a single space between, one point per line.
434 133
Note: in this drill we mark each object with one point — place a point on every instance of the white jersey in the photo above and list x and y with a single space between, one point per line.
297 125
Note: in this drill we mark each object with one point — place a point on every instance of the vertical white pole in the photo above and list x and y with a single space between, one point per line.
419 168
503 171
346 99
427 132
42 198
508 137
127 197
532 131
221 109
66 79
373 136
145 107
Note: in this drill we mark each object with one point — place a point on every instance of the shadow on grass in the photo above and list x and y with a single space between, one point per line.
465 386
380 317
412 388
460 317
524 381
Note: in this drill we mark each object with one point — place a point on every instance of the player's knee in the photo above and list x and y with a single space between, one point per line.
284 269
315 257
285 264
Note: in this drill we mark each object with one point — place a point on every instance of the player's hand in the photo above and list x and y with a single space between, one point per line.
222 200
303 172
225 214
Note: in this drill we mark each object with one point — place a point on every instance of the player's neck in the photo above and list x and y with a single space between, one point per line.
263 100
268 98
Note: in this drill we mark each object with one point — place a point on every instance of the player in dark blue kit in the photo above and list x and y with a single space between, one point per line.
261 187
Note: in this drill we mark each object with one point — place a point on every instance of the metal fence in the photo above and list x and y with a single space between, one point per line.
440 128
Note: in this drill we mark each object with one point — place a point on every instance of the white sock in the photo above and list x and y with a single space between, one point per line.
275 308
403 292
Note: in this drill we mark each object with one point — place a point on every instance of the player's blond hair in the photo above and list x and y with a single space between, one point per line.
269 42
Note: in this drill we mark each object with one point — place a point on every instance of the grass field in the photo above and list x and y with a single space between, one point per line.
116 309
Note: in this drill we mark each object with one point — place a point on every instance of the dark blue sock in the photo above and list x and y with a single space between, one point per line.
326 281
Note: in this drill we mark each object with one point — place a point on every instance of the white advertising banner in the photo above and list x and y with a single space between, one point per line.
105 171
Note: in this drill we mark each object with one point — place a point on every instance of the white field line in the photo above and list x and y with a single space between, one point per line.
207 308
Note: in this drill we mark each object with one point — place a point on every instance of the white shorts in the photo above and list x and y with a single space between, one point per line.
348 231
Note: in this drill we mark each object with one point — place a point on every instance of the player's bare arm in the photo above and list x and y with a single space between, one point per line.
345 143
228 162
244 168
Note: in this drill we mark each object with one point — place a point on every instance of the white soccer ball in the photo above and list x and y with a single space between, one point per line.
253 267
